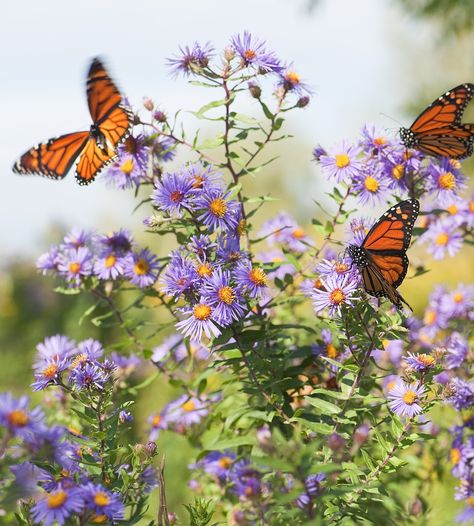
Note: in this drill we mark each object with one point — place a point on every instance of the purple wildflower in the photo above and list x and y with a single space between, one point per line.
200 320
280 265
57 506
290 80
16 416
442 239
337 292
224 298
444 178
141 268
158 422
359 228
192 59
180 275
88 376
404 399
371 188
120 242
75 264
341 163
312 488
173 193
49 261
109 266
463 395
250 279
185 412
48 372
56 347
217 463
137 149
420 362
372 141
253 53
77 238
219 212
246 480
102 502
456 351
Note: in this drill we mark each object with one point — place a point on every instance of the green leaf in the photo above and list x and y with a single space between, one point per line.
214 104
325 406
209 144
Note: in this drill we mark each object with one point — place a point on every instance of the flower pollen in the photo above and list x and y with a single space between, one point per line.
56 499
202 312
342 160
101 499
141 267
371 184
409 397
227 295
258 276
218 207
18 418
447 181
337 296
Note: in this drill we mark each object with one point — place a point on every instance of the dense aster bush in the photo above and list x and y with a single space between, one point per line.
308 401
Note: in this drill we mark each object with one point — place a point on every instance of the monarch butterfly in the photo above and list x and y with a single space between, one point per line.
111 122
382 257
438 130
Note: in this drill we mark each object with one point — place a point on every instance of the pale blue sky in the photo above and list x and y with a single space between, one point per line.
357 55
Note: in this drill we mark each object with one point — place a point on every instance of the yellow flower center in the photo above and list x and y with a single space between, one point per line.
426 359
407 155
250 54
141 267
298 233
110 260
398 171
188 406
74 267
409 397
458 297
204 269
340 267
202 312
447 181
258 276
225 462
198 181
241 227
292 77
390 385
442 239
156 420
331 351
176 196
430 317
99 519
342 160
218 207
371 184
78 360
380 141
101 499
227 295
127 166
455 164
50 371
56 499
337 296
455 455
471 206
318 284
74 431
470 501
452 209
18 418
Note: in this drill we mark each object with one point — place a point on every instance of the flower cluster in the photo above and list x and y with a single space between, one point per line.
85 255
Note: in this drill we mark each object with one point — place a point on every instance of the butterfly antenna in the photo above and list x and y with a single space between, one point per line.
400 125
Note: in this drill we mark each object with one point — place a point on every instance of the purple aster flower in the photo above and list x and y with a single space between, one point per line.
174 193
290 80
91 349
78 238
442 238
201 245
124 173
337 292
280 265
373 141
194 349
284 230
109 266
253 53
125 416
200 320
164 148
397 166
179 276
136 149
341 163
459 302
456 351
250 279
162 352
463 395
75 264
420 362
158 422
56 347
404 399
318 152
27 476
57 506
219 212
88 376
312 488
217 463
18 418
203 177
246 480
456 207
48 372
125 364
141 268
102 502
444 177
185 412
334 267
228 249
120 242
49 261
225 299
371 188
359 228
148 478
192 59
49 443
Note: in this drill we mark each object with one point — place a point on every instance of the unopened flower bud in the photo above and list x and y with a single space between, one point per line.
264 438
416 507
151 448
361 434
336 443
303 101
229 53
318 152
238 517
255 90
172 518
125 416
160 116
148 104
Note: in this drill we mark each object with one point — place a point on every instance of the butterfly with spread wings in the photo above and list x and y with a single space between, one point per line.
111 122
439 131
382 258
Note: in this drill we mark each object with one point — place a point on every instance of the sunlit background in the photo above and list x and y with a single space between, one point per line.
366 61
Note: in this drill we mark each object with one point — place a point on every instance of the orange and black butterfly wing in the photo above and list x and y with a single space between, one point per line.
455 142
53 158
111 119
385 245
445 111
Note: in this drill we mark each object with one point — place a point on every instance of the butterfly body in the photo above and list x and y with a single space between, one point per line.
382 259
95 148
438 131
